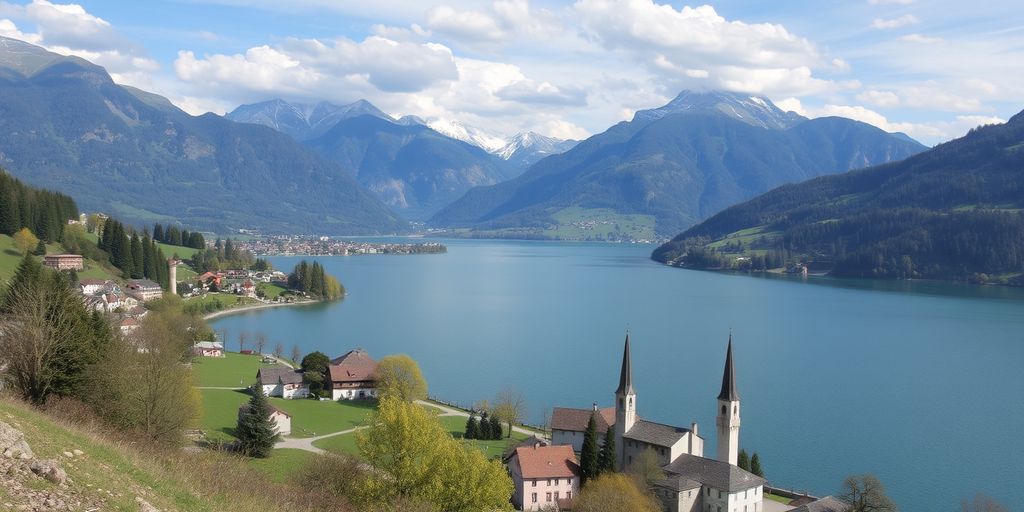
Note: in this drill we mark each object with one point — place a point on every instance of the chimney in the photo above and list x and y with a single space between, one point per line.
595 406
693 428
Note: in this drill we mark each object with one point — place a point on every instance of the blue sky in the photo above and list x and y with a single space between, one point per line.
567 69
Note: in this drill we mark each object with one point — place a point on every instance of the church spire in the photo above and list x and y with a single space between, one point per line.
728 377
626 376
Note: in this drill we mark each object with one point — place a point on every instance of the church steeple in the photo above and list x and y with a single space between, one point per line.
626 375
625 406
729 378
728 418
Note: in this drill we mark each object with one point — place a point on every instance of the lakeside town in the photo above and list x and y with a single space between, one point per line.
288 245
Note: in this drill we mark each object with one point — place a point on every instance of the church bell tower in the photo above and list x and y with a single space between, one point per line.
728 417
625 405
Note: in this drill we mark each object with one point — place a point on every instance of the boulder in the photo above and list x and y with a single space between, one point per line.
50 470
144 505
12 443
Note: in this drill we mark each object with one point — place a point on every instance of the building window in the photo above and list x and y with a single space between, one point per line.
709 494
533 497
719 494
549 482
533 483
556 498
723 410
568 495
549 497
735 409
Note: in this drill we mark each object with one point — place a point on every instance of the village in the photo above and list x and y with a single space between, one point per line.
288 245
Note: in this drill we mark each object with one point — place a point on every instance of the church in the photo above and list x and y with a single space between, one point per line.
693 483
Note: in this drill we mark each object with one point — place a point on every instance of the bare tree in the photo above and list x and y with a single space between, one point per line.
36 335
510 407
279 350
261 341
243 338
865 493
983 503
296 354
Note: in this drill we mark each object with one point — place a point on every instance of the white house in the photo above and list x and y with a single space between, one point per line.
282 381
353 376
543 477
208 349
568 425
282 420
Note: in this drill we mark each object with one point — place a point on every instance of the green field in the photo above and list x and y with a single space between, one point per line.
229 300
233 370
10 256
282 463
345 444
271 290
184 253
575 223
220 411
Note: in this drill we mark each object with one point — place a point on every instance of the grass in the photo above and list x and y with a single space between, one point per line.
282 464
780 499
184 253
220 412
575 223
271 290
232 370
345 443
309 417
229 300
113 471
456 425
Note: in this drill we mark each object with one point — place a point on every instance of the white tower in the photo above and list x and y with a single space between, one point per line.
172 275
625 405
728 419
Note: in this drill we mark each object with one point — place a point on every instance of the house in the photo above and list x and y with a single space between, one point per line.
701 484
542 476
248 289
90 286
352 376
208 349
138 312
826 504
569 425
144 289
282 381
64 261
128 325
209 278
282 420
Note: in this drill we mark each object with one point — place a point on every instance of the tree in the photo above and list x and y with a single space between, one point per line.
149 391
261 341
484 432
400 376
865 493
25 240
744 461
614 492
279 350
40 249
414 458
255 430
606 459
982 503
495 428
588 455
314 369
646 469
755 465
296 353
243 337
471 427
509 406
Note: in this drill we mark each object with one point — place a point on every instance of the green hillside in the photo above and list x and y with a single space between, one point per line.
953 212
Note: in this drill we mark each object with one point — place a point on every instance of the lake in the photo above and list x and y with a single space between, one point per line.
920 383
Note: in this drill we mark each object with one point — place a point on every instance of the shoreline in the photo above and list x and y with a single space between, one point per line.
254 307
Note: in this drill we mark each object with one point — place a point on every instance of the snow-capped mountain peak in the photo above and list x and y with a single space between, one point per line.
468 134
536 143
755 110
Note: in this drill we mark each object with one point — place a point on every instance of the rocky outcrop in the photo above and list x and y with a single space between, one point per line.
12 443
20 472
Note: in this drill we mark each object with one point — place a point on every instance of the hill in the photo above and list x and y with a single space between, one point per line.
67 126
107 473
677 164
952 212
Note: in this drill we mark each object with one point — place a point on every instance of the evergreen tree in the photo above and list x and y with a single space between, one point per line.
744 461
148 258
196 240
40 249
589 454
471 427
607 459
138 270
496 432
484 432
755 465
255 430
229 250
158 232
184 237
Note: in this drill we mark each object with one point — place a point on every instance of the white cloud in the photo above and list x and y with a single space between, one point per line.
920 39
902 21
879 98
498 23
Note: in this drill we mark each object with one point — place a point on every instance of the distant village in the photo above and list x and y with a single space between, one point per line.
288 245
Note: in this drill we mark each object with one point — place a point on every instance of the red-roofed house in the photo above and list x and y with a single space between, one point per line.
352 376
543 476
569 425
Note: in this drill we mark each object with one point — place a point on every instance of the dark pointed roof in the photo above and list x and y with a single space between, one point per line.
729 378
626 376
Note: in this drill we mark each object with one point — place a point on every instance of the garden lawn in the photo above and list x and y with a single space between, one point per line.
220 411
456 425
234 370
345 443
184 253
318 417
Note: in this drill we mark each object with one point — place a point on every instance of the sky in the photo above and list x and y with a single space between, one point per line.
566 69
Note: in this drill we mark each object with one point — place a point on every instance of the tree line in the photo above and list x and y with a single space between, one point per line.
44 212
312 279
171 235
137 257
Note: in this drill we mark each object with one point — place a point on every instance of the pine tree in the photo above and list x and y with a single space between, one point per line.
40 249
137 258
589 454
471 427
496 432
484 432
755 465
255 430
229 250
744 461
158 232
606 460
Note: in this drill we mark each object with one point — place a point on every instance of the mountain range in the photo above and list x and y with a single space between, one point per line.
951 212
65 125
675 165
406 163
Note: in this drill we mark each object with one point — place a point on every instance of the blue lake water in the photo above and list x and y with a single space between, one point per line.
920 383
